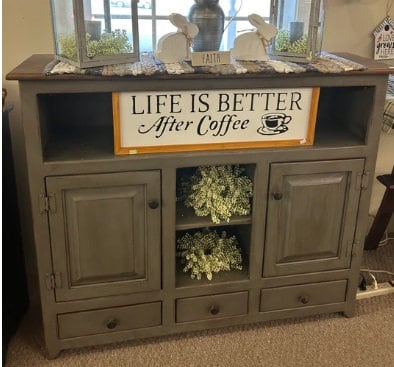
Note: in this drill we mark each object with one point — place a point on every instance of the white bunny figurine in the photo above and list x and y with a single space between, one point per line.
252 45
175 46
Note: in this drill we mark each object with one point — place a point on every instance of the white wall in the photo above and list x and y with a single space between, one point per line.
350 23
27 30
348 28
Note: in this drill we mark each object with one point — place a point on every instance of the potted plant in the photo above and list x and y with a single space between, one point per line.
207 252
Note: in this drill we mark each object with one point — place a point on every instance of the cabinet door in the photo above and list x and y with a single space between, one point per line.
312 212
105 233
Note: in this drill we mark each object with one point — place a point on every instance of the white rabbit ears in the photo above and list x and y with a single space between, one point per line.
263 28
183 25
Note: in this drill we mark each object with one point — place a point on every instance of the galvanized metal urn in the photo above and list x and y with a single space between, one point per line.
209 17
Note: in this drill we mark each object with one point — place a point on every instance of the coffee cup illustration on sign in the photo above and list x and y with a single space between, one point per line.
274 123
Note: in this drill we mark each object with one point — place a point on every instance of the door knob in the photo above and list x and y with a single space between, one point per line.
153 204
277 195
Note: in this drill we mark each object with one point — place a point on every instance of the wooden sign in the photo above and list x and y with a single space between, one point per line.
169 121
384 40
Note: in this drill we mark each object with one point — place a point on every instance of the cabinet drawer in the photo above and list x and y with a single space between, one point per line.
211 307
302 295
109 320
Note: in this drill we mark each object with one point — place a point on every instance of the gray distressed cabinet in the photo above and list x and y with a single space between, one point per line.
100 229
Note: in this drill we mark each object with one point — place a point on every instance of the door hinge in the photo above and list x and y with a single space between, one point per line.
363 180
47 203
53 280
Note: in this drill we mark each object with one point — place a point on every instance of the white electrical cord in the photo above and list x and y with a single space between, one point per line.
375 282
384 242
377 271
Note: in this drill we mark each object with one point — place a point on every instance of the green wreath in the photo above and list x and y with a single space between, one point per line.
208 252
218 191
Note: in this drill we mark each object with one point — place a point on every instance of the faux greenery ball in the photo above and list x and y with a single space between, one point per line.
282 40
112 43
208 252
283 44
218 191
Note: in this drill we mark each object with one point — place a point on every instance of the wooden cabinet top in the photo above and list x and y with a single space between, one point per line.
33 69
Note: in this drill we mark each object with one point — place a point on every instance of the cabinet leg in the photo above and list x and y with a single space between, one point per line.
349 313
52 353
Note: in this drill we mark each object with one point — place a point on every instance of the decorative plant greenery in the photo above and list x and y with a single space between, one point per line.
208 252
112 43
219 191
283 44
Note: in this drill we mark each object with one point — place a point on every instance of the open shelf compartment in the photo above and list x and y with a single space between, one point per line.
242 233
77 126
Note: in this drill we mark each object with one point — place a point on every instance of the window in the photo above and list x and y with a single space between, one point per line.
154 23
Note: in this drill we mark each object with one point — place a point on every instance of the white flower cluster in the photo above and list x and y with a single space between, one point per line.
208 252
219 191
112 43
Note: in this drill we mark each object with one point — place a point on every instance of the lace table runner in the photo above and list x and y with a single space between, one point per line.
149 65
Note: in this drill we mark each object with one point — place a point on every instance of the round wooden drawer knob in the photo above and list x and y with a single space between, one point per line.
214 310
304 299
112 324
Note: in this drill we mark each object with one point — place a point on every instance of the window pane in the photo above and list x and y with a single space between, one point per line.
153 17
245 7
166 7
146 35
232 31
164 27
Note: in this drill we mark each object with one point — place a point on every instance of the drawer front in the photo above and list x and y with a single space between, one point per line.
211 307
109 320
302 295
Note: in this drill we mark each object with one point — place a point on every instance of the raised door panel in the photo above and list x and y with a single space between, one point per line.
312 211
105 234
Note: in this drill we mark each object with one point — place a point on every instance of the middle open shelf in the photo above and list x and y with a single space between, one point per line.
213 241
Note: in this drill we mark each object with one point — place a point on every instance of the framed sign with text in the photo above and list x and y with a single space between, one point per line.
170 121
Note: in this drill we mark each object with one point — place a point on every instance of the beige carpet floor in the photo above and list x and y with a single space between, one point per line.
366 340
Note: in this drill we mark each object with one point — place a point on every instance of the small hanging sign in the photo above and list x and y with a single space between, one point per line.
170 121
384 40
